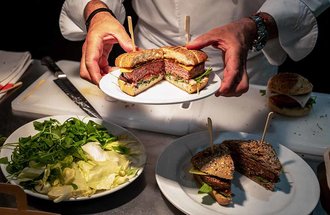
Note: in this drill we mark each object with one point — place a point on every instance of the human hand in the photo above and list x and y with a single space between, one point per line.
104 31
234 40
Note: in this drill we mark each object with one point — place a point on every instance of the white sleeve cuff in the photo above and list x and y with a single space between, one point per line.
72 22
297 30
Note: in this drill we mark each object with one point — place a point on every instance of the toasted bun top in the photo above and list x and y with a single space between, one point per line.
218 164
130 59
177 53
184 56
290 84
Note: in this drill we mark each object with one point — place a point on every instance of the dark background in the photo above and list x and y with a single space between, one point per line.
33 26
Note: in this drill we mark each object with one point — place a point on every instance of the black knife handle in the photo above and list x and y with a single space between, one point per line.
52 66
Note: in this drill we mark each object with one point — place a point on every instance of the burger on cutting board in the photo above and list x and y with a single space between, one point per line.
289 94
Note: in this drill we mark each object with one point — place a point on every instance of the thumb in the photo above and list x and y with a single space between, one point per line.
124 41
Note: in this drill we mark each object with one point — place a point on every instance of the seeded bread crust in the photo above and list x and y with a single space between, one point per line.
290 84
261 154
219 163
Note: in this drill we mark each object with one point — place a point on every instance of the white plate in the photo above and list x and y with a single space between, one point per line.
28 129
297 192
161 93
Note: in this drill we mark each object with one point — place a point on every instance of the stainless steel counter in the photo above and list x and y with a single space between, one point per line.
140 197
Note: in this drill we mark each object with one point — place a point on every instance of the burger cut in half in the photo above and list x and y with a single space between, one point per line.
140 70
290 94
186 68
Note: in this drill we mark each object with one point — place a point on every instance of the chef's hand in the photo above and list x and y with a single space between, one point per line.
104 31
234 40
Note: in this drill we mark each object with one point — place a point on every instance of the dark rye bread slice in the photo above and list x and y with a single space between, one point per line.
257 160
218 164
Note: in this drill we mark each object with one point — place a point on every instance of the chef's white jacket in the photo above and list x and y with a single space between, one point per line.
161 22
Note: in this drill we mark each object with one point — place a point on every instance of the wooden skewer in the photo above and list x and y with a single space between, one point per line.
266 126
131 31
210 128
187 28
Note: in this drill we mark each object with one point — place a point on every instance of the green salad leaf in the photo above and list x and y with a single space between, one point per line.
70 159
206 73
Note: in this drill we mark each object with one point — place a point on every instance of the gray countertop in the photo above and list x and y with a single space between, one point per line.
143 196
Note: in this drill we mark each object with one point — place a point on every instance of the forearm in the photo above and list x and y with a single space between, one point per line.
93 5
72 17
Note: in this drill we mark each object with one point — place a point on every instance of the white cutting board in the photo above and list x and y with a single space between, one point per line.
306 135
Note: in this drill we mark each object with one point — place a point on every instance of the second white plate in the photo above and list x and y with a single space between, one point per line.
297 192
161 93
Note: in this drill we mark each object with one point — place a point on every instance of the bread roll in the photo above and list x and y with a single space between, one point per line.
183 55
289 84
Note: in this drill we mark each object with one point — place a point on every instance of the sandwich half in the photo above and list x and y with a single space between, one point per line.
186 68
214 171
140 70
256 160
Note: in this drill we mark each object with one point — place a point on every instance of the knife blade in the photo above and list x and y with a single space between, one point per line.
68 88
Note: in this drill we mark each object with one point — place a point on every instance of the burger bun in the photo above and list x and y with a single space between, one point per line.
283 88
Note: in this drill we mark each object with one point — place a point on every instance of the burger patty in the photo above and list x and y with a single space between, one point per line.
283 101
217 183
173 68
142 71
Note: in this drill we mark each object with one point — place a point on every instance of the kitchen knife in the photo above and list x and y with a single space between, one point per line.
68 88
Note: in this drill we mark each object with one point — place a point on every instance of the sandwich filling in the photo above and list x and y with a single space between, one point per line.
144 73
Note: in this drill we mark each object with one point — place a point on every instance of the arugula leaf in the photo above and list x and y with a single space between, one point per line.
56 141
311 101
4 160
206 73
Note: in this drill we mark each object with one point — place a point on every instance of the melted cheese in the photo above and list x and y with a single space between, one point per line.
125 70
301 99
188 68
